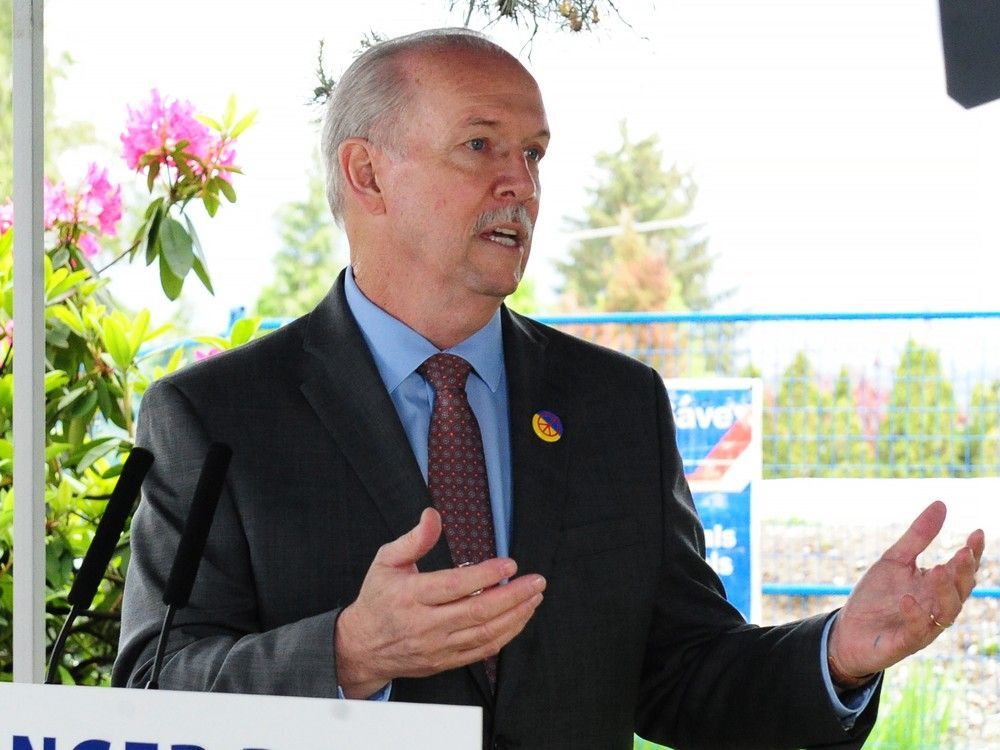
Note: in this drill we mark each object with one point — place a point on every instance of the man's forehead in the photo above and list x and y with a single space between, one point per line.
475 119
479 88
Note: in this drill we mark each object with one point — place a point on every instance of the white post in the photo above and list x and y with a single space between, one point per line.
29 333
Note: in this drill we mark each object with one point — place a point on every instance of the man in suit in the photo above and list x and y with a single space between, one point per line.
328 573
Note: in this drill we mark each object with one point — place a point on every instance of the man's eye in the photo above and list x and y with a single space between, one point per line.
534 153
476 144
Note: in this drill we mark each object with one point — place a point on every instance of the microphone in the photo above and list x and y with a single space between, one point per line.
102 548
191 546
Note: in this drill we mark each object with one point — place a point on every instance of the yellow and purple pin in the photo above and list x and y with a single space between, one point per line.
547 426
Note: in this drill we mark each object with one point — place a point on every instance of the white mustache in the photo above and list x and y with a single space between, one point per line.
510 214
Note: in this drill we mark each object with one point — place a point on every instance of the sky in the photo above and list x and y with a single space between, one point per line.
834 172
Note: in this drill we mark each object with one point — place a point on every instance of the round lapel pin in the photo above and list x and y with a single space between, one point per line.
547 426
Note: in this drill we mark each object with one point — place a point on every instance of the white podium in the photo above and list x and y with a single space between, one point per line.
63 717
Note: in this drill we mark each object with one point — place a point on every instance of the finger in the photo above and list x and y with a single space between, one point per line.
977 543
947 601
414 544
443 586
920 534
480 641
917 624
477 610
962 570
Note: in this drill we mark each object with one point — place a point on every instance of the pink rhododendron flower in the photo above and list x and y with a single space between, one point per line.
158 126
100 204
201 354
6 216
58 208
97 206
88 244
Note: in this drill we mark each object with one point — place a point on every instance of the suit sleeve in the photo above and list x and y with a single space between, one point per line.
216 642
709 680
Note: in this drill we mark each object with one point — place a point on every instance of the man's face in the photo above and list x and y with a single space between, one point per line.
461 195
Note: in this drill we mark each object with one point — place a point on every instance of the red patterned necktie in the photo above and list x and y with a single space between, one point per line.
456 468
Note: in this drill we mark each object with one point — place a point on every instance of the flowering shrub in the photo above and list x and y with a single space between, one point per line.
94 352
184 157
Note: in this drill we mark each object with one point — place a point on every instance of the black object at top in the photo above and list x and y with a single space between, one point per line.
109 530
199 521
970 34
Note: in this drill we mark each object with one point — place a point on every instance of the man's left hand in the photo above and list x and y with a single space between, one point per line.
896 608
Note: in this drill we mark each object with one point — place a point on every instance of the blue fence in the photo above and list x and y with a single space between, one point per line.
846 394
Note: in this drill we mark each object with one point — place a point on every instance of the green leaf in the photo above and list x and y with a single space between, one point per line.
154 172
171 284
60 256
153 207
201 273
227 189
109 407
6 449
212 123
183 161
199 265
116 341
211 202
62 281
245 122
69 318
137 333
176 245
52 450
230 114
96 450
54 379
243 330
86 406
153 239
71 396
175 359
217 341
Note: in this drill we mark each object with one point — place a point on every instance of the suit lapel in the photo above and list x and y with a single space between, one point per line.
345 390
539 473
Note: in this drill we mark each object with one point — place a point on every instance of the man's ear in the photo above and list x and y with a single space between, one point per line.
357 167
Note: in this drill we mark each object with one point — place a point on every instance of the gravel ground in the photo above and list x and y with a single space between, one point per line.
967 655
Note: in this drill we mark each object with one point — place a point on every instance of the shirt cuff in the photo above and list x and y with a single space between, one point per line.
381 696
848 705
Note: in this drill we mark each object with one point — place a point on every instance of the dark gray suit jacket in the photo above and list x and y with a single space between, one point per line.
634 632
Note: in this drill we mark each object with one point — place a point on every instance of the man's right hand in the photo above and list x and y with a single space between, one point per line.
405 623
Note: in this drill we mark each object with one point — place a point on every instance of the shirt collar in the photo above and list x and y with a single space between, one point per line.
398 350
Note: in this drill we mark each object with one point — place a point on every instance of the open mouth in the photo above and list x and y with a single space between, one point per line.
503 236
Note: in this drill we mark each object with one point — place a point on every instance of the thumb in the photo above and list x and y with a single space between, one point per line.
414 544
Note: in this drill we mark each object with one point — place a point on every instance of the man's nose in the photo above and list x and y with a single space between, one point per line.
518 179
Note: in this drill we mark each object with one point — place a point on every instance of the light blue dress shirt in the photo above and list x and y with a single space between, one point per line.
398 351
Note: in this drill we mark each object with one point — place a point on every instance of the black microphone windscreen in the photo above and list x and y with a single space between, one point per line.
970 34
109 530
199 520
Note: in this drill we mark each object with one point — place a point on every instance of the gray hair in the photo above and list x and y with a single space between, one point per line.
369 99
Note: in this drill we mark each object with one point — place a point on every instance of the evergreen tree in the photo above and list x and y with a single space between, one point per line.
981 447
850 453
635 184
310 257
920 434
796 427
